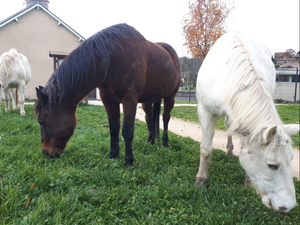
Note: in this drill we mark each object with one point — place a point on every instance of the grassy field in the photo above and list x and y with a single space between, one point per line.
84 187
288 114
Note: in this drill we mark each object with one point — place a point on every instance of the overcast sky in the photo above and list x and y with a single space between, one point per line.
273 22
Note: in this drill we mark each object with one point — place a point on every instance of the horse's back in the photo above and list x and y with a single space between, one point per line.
14 67
221 66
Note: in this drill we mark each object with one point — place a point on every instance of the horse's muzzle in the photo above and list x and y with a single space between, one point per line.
54 154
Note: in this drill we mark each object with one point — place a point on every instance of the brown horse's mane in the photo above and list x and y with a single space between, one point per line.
76 68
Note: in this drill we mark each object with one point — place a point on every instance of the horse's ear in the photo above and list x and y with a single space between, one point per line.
42 97
268 134
291 129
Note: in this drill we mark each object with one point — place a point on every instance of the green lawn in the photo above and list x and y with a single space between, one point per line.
84 187
288 114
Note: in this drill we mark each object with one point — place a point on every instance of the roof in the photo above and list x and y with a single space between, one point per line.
38 6
286 71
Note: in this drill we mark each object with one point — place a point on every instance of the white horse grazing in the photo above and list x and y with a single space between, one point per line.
15 72
236 80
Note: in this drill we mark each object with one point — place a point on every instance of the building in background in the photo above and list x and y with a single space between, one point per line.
287 73
34 32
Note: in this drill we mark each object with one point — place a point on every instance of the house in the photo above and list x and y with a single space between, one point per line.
284 60
35 31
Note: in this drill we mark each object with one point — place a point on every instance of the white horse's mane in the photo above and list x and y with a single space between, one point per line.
249 79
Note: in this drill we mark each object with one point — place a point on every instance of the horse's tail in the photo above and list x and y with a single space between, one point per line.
17 97
156 112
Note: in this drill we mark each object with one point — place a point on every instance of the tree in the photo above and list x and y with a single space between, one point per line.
204 25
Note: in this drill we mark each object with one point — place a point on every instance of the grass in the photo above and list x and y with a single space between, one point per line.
288 113
84 187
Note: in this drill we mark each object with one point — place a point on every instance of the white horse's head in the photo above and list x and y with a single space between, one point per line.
268 166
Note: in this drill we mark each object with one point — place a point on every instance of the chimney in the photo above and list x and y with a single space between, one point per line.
43 2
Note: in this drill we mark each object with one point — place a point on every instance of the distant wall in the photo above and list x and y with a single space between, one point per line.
286 91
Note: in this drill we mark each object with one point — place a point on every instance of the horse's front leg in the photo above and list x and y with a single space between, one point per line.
129 110
112 108
207 122
148 108
168 106
1 94
6 99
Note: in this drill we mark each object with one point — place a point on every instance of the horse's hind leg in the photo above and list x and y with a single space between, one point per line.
112 108
168 106
22 99
148 108
207 122
229 144
13 97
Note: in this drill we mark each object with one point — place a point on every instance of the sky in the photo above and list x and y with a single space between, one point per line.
272 22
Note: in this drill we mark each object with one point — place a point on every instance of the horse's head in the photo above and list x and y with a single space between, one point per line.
268 166
57 124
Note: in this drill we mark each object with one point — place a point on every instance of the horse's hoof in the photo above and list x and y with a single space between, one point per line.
151 140
113 156
22 114
128 164
229 152
247 182
7 110
200 182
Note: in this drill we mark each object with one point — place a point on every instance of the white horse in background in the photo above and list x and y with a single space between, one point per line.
236 80
15 73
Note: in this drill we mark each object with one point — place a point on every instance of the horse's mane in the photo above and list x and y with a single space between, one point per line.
74 71
249 79
7 62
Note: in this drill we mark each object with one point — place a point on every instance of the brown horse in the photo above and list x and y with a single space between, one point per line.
127 69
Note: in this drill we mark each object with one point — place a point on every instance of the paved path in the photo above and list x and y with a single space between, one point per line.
192 130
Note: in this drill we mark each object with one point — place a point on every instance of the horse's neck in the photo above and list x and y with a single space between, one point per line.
248 120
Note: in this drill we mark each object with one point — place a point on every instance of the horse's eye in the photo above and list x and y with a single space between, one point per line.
42 124
273 167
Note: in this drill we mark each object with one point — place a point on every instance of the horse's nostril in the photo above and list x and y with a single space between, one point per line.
45 152
282 209
56 154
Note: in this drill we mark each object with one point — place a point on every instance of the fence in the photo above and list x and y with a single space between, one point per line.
287 87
